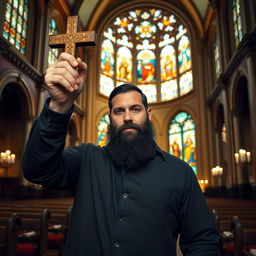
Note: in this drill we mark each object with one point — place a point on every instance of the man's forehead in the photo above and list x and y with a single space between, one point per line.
127 99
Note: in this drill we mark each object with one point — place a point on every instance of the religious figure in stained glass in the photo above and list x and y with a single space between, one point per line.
175 148
168 63
15 23
146 67
124 64
189 150
184 54
182 139
102 130
107 58
123 69
142 38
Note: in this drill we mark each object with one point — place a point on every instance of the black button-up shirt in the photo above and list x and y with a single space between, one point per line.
116 212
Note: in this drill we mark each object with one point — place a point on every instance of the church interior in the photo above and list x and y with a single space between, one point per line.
195 60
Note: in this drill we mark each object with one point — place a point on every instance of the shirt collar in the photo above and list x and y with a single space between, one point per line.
160 152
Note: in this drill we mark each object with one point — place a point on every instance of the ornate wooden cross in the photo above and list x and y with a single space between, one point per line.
72 37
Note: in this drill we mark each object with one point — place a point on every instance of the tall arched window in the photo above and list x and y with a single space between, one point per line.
16 23
102 130
238 27
53 54
217 56
182 139
150 48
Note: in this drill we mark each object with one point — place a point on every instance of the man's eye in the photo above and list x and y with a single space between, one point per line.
118 111
136 110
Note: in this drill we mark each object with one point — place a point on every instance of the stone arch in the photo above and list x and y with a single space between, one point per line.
17 110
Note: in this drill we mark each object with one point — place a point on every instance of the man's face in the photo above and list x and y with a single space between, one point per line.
127 108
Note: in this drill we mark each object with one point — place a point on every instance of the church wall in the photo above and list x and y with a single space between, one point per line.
237 62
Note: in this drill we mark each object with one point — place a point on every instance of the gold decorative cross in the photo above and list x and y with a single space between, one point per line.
72 37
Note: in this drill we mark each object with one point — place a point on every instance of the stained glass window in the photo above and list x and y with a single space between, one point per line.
182 139
53 54
238 27
217 57
150 48
102 130
16 23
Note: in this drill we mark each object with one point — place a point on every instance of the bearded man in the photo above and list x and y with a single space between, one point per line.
130 197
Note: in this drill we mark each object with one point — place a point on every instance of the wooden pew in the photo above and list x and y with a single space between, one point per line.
244 238
33 235
57 226
227 231
9 227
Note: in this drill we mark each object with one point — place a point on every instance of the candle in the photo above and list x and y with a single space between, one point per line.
248 156
237 158
12 158
242 154
8 152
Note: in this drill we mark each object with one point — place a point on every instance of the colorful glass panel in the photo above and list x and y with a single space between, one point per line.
146 66
217 57
53 54
15 24
102 130
186 83
124 64
150 91
182 139
106 85
168 63
145 38
169 90
238 27
184 54
107 58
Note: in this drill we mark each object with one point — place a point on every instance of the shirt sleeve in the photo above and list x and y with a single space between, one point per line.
198 233
44 160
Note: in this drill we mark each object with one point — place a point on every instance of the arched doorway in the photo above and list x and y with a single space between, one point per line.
14 116
242 135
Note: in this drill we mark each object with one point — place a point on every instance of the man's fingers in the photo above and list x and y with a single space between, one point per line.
67 57
61 81
82 66
64 77
63 68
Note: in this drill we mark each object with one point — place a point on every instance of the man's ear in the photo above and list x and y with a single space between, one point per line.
149 113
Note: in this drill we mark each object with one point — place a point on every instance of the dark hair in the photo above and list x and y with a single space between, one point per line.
127 88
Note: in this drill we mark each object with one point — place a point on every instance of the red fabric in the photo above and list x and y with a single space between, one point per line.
26 249
248 247
229 249
55 240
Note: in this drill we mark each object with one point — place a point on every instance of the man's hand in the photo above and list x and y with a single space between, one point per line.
64 81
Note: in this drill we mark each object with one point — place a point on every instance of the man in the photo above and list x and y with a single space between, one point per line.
130 198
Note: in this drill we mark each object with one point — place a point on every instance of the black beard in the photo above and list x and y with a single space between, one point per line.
129 150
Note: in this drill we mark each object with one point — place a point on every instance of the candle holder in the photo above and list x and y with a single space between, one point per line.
203 184
242 157
7 160
217 171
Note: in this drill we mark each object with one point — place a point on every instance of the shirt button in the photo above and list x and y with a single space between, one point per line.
117 245
125 195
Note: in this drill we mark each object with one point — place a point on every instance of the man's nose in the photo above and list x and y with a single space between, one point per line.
127 116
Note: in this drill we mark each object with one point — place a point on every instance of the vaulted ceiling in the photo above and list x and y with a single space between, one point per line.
85 8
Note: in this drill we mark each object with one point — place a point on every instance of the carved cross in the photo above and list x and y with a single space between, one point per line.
72 37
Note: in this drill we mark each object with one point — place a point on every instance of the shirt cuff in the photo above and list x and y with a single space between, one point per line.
58 120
